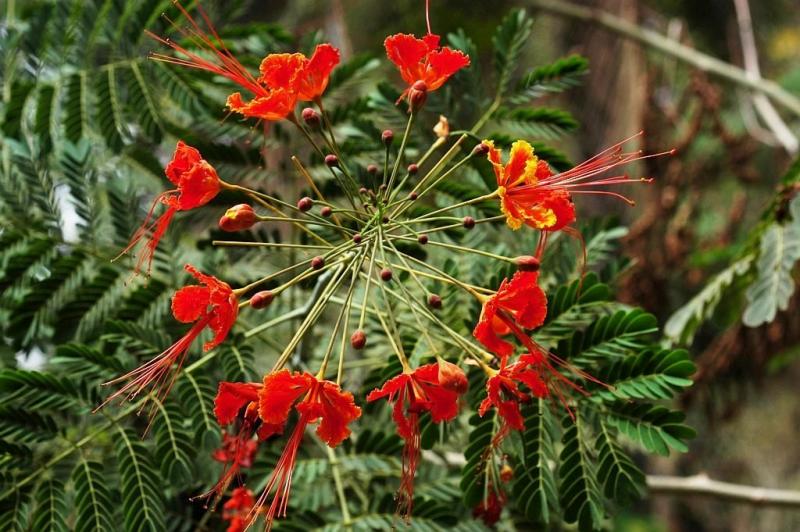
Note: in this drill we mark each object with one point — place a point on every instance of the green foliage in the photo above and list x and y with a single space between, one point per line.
89 130
774 285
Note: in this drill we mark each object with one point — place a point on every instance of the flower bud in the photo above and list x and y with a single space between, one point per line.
238 218
480 149
413 168
358 340
527 263
442 127
363 190
357 238
387 137
262 299
311 118
451 377
422 239
372 169
435 301
305 204
331 160
413 196
468 222
506 473
417 95
317 262
325 212
386 275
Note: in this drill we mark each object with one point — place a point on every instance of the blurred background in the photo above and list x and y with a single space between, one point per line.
692 223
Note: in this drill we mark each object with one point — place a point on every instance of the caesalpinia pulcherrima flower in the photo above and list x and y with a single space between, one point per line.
414 392
521 300
531 194
423 60
236 509
196 183
212 305
359 243
284 79
315 400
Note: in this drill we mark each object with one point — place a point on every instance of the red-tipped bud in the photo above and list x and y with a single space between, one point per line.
468 222
480 149
385 219
372 169
451 377
357 238
238 218
387 137
527 263
422 239
317 262
435 301
506 473
305 204
413 168
358 340
417 95
325 212
413 196
386 275
262 299
311 118
382 188
331 160
363 190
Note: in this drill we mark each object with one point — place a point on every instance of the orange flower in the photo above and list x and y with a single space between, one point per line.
522 300
423 60
284 79
321 401
236 509
197 183
414 392
531 194
503 393
213 305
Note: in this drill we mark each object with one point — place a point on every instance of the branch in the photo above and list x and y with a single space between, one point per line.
673 48
704 486
666 485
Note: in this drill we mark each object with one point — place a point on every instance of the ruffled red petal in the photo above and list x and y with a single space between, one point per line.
231 398
197 186
314 79
190 302
280 71
442 64
337 409
272 107
407 52
280 391
182 161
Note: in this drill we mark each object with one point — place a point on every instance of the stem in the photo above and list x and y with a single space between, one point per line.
400 154
670 47
337 480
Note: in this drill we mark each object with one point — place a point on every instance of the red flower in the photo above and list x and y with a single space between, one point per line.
213 305
490 508
520 300
530 193
197 183
237 508
503 393
284 79
423 60
414 392
321 400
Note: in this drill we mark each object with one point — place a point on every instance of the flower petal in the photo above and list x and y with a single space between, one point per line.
183 159
232 397
407 52
280 71
190 302
280 391
338 410
315 76
442 64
